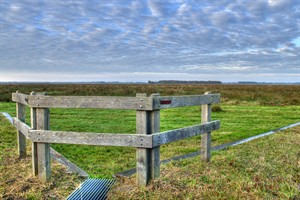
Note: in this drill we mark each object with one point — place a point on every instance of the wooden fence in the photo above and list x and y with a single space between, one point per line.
147 139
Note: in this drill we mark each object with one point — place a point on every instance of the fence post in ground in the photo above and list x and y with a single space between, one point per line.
20 110
34 144
206 137
40 151
155 151
148 159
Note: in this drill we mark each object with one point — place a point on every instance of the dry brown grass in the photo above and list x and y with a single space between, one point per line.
16 179
275 95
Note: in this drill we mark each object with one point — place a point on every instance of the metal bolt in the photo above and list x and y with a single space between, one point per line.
141 106
141 99
37 104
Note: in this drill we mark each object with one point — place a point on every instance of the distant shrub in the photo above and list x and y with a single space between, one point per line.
217 108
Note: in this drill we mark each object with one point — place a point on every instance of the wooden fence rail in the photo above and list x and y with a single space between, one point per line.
114 139
147 139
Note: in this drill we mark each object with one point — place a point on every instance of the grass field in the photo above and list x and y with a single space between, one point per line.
246 111
16 179
237 122
267 168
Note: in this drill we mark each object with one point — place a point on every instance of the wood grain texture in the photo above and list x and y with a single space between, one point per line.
191 100
43 149
21 139
34 144
34 157
206 137
148 159
147 139
114 102
154 127
20 98
134 103
183 133
103 139
41 159
21 127
142 154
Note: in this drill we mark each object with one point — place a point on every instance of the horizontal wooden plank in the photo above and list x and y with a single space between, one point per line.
20 98
136 103
22 127
144 103
182 133
188 100
103 139
108 139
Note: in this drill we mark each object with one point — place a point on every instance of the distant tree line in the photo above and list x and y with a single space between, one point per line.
247 82
184 82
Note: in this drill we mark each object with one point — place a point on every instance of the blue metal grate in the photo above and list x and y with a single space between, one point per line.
92 189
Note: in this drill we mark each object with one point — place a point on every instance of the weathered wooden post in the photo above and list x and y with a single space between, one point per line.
41 159
20 109
34 144
206 137
148 160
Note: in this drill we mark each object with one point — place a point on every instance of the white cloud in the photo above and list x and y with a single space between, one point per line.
15 7
222 19
150 36
155 8
184 9
280 3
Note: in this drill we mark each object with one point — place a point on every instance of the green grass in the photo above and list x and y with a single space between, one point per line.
263 169
237 122
266 168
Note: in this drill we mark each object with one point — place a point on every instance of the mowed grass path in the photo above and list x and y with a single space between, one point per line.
237 122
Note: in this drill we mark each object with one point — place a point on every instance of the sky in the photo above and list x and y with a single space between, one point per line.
141 40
